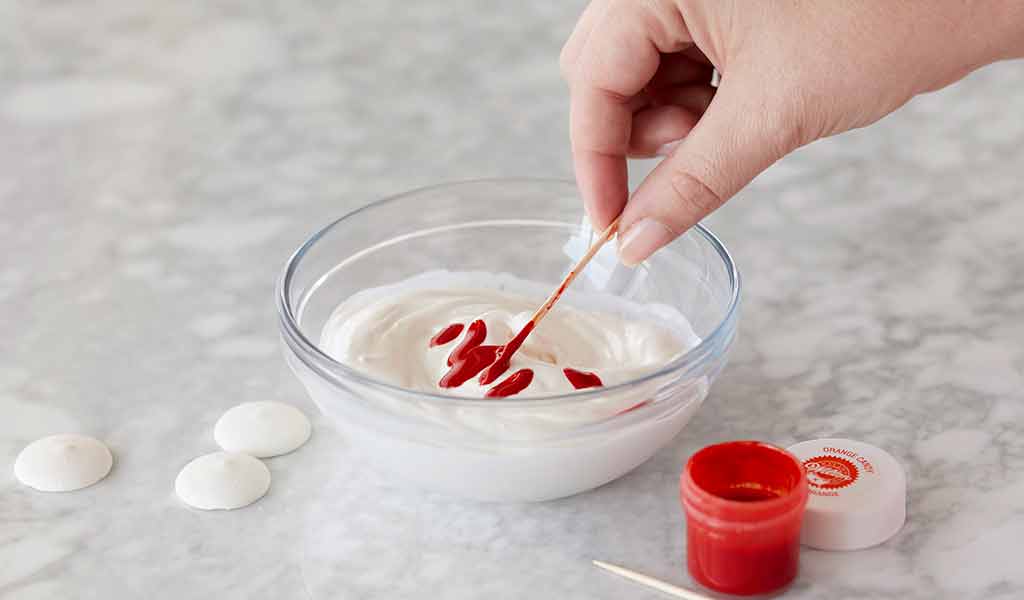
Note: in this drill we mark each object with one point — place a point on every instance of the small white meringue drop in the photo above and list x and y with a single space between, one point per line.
262 429
63 463
222 481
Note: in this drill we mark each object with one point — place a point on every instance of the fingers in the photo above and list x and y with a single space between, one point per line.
578 38
678 80
600 131
733 142
694 97
676 69
671 117
654 128
618 59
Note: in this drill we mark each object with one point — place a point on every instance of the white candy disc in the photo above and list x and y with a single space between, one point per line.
222 481
63 463
262 429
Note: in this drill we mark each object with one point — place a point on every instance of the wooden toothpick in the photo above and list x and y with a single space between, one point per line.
576 270
651 582
505 352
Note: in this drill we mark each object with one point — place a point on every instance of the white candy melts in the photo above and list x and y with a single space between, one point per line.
262 429
63 463
222 481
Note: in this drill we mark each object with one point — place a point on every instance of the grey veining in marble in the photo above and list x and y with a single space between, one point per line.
159 161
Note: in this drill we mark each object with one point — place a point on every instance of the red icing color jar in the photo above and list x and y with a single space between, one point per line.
744 504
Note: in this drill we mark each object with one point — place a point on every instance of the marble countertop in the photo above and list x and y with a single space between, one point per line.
158 164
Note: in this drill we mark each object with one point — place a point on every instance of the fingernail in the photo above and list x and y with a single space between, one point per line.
667 149
641 240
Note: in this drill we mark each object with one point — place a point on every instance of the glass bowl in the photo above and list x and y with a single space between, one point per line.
503 449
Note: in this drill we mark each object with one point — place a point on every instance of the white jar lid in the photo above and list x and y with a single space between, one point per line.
857 494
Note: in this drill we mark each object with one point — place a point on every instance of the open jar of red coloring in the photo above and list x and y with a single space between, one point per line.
744 503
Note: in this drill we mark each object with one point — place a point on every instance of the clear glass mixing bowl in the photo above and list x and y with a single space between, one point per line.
505 449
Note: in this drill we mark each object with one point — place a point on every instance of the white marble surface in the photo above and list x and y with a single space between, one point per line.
159 162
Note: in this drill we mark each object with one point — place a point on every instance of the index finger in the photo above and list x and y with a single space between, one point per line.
619 58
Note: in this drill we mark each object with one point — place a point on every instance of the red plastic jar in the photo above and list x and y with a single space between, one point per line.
744 504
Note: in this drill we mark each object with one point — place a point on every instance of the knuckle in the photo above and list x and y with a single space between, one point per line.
664 23
798 121
691 195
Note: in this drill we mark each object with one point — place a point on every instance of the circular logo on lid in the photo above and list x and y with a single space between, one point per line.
830 472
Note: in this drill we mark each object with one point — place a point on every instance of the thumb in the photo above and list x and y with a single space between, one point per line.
740 135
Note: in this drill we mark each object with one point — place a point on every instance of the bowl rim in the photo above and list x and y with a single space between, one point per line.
293 333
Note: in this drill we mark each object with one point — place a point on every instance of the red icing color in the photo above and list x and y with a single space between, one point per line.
475 335
472 362
504 358
446 335
744 504
582 379
513 384
469 357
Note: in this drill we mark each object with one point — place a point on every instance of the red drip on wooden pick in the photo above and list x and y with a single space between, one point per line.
470 357
504 359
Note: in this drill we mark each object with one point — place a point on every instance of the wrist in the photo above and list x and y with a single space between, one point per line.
995 31
963 36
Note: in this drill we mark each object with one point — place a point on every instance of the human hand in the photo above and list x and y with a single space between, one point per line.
791 72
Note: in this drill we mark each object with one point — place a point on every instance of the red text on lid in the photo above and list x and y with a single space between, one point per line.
830 472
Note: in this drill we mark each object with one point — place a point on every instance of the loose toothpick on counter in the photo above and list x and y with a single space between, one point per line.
651 582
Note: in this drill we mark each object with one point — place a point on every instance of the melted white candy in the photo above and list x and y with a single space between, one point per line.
262 429
63 463
507 450
387 335
222 481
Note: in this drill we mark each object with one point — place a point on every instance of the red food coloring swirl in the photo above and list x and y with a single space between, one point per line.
504 358
446 335
582 379
475 335
513 384
471 358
